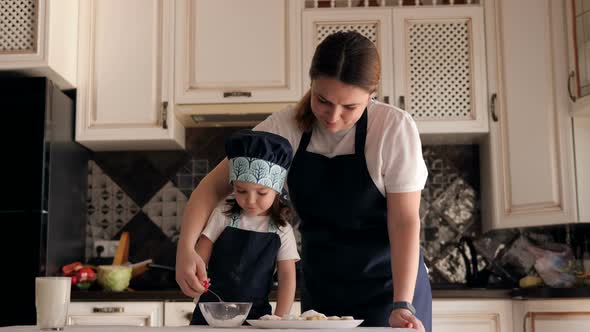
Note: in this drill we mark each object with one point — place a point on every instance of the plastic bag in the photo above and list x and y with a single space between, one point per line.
554 264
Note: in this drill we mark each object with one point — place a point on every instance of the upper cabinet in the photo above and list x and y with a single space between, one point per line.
578 81
373 23
527 160
433 59
39 37
125 94
440 67
235 51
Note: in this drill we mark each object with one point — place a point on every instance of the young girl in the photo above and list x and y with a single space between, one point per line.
248 234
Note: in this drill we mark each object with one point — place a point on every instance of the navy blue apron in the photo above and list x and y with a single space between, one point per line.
345 245
241 267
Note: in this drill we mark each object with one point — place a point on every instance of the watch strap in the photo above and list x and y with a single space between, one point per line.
404 305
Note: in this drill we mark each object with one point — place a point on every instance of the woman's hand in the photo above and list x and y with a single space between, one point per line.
404 318
190 272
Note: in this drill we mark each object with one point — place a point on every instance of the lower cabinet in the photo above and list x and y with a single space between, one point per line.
472 315
448 315
116 313
552 315
178 313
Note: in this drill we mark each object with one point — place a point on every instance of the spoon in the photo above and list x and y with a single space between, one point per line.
206 284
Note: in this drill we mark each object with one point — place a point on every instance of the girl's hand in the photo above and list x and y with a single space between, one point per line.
404 318
190 272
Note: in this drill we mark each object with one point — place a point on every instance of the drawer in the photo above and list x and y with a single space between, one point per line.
115 313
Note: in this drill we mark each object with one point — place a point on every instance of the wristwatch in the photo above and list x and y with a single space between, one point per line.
404 305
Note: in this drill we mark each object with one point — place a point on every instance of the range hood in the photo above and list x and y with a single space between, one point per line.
226 115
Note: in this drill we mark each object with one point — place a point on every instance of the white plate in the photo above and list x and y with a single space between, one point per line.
305 324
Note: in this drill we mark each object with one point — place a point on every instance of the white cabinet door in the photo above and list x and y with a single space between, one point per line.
178 313
440 73
527 163
39 37
234 51
374 23
578 30
472 315
582 154
552 315
125 76
115 313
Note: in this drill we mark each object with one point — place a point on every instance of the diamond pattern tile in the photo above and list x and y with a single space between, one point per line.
141 173
457 205
190 175
109 208
436 233
165 209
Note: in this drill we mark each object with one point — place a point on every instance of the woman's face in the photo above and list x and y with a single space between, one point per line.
337 105
254 199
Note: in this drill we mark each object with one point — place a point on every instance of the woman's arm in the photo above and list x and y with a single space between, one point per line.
204 248
190 267
403 221
286 289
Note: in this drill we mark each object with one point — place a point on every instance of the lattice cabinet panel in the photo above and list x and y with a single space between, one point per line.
439 70
369 30
373 23
18 26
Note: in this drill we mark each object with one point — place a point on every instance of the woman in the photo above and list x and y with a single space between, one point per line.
355 183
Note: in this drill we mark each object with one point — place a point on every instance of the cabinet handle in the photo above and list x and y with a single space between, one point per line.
493 107
569 85
386 99
526 316
109 310
165 115
189 316
237 94
402 102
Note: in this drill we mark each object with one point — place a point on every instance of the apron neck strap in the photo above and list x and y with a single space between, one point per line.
234 221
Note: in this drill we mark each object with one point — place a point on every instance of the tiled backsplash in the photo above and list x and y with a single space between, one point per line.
145 193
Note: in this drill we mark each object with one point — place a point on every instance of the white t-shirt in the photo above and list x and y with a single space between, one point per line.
218 221
393 149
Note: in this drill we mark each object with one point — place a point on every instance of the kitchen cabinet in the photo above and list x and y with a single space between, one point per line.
373 23
581 127
551 315
450 315
116 313
578 81
125 76
433 59
527 161
39 38
178 313
247 61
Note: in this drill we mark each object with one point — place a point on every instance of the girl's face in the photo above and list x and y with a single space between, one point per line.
337 105
254 199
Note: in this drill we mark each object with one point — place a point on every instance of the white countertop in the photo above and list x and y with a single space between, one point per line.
190 328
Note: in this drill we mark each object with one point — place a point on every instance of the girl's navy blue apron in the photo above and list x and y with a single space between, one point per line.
241 267
345 245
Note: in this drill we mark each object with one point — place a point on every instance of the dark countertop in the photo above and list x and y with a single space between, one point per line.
447 293
177 295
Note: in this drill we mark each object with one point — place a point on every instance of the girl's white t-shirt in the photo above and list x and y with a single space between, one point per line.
218 221
393 149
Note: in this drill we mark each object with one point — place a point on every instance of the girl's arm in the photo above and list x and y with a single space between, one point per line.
190 267
286 289
403 221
